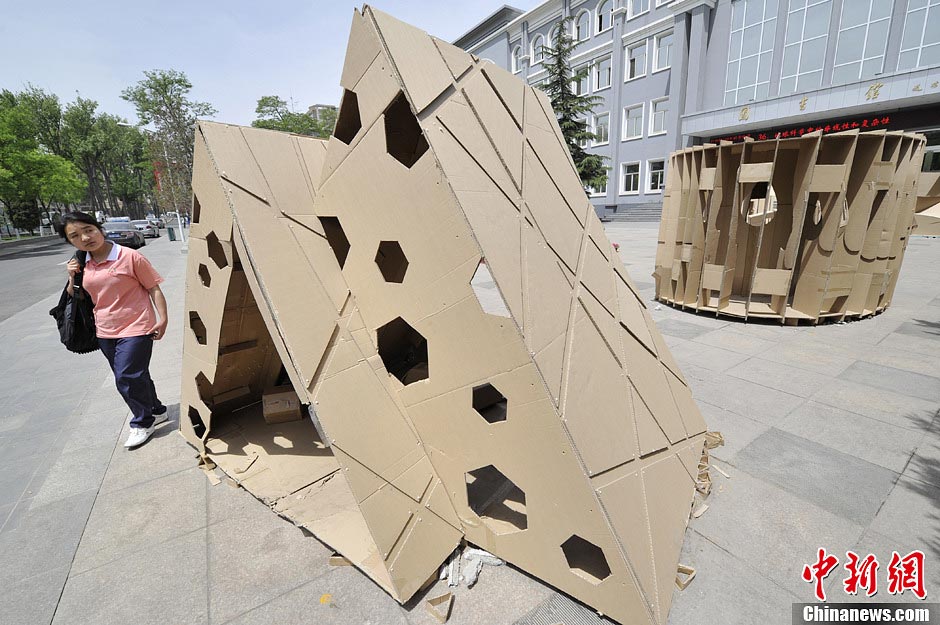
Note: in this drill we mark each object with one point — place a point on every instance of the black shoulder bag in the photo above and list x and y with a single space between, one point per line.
75 315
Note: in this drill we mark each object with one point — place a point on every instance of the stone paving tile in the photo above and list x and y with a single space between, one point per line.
707 357
33 601
909 344
738 431
925 464
757 598
775 531
161 456
895 380
731 339
818 474
257 558
916 362
681 328
742 397
809 354
880 404
921 328
128 521
71 473
879 443
779 377
41 539
163 584
912 514
15 476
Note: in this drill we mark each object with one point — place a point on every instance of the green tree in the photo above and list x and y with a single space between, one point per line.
274 114
572 109
162 98
25 214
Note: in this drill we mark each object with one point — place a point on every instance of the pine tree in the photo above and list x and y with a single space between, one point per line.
571 108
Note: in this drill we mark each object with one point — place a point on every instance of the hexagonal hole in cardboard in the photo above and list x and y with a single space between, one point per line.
403 351
216 251
348 122
403 137
199 427
585 559
391 261
336 237
198 327
490 403
204 276
498 502
204 388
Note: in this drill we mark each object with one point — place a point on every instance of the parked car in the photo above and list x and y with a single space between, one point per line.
150 231
124 219
124 233
156 222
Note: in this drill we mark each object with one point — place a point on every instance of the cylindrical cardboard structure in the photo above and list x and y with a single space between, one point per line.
802 229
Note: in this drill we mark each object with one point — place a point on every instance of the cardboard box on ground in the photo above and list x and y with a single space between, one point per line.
450 398
804 229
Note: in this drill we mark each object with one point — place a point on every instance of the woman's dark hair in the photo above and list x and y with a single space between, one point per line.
77 217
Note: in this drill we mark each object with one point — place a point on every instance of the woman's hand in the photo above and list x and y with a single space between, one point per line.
73 268
159 330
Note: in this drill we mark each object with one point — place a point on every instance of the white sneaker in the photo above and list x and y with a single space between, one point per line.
138 436
160 418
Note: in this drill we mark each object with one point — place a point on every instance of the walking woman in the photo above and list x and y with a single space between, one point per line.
130 314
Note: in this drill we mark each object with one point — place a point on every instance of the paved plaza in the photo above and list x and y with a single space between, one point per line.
832 440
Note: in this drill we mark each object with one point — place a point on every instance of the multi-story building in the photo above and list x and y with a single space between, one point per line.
674 73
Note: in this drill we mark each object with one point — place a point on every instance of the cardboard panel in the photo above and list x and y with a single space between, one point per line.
754 172
828 178
215 214
561 230
422 70
511 90
495 118
457 59
771 281
625 498
596 404
363 48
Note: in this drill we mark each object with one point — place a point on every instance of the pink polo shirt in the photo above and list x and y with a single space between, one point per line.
119 287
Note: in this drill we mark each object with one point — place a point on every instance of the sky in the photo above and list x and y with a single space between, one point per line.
233 52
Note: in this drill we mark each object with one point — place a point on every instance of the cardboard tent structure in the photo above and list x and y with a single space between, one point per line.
437 288
800 229
927 213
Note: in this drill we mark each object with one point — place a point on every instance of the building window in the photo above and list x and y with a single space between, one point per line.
920 44
517 59
632 122
635 65
602 129
537 44
604 20
637 7
863 38
662 46
553 35
805 46
657 176
630 178
582 123
658 110
597 191
750 52
582 26
580 85
602 74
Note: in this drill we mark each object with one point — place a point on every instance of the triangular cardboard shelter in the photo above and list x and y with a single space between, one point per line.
434 284
800 229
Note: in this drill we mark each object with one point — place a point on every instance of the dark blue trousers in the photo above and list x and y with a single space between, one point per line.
130 361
